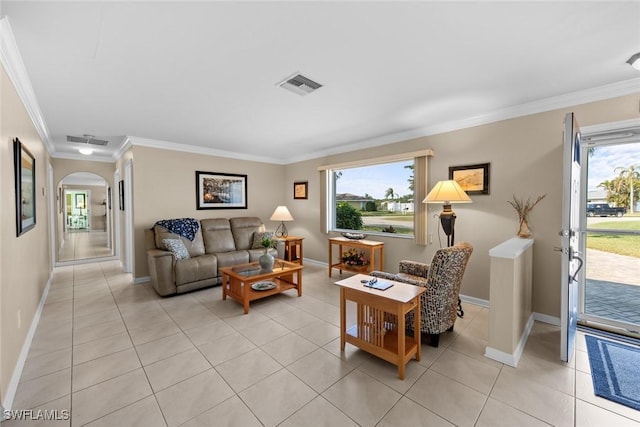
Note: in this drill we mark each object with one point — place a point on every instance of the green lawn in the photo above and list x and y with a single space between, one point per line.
615 243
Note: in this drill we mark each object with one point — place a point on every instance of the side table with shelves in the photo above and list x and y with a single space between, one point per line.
370 247
293 248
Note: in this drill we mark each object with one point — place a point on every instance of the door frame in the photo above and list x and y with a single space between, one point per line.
627 131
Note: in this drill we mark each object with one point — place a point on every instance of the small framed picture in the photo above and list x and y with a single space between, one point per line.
300 190
474 179
121 194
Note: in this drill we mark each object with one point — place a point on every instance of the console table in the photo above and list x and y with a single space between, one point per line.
380 320
368 246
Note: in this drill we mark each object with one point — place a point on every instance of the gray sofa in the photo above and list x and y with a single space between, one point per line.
218 243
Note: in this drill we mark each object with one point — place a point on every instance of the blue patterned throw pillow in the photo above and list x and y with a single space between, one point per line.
177 248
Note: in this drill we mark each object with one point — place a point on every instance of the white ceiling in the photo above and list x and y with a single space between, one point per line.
204 73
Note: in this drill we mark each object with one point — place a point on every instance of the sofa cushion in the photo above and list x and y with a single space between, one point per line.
258 236
195 247
194 269
217 235
177 248
227 259
243 229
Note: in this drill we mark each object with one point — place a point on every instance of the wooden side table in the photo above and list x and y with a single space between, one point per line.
368 246
380 325
293 249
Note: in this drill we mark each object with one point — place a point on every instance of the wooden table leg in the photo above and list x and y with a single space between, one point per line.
381 258
401 341
225 280
417 312
299 282
330 257
343 319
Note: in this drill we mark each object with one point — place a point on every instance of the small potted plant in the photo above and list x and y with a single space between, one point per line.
266 260
354 259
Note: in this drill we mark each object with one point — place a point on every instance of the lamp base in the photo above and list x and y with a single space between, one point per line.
281 231
448 222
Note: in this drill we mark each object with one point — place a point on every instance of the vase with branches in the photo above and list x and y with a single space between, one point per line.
524 207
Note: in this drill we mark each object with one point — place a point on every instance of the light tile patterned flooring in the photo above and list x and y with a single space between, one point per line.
117 354
84 244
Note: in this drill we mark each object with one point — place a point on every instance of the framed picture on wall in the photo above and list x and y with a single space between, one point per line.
121 194
25 179
300 190
474 179
216 190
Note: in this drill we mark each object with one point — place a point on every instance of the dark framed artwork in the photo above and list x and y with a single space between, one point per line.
300 190
109 198
216 190
81 202
474 179
25 178
121 194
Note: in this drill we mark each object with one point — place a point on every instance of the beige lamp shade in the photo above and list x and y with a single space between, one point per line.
281 214
447 192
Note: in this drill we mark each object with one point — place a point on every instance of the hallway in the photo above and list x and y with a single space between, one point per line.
78 245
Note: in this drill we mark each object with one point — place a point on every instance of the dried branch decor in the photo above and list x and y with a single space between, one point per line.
524 208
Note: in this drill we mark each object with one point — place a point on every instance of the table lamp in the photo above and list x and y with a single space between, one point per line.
281 214
447 192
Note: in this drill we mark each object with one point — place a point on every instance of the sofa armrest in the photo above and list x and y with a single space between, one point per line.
414 268
161 271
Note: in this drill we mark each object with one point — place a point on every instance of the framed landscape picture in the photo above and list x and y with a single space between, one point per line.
25 179
474 179
216 190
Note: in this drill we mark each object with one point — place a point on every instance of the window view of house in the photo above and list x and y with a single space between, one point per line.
374 199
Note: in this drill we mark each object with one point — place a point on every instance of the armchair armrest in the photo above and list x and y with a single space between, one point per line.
383 275
414 268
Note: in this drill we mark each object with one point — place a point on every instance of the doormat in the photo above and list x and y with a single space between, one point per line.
614 371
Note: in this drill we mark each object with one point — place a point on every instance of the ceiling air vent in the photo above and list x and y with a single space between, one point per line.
86 139
299 84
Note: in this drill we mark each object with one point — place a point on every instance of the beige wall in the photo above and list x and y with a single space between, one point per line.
164 187
24 260
526 160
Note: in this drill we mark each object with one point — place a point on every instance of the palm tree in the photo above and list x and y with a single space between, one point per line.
389 194
632 175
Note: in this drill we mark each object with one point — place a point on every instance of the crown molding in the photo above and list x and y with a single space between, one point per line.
599 93
14 66
195 149
81 157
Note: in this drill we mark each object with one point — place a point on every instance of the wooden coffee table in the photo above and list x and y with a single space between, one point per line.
237 281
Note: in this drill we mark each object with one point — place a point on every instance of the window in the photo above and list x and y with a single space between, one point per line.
380 196
373 199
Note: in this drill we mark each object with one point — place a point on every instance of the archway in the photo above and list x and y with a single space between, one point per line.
84 218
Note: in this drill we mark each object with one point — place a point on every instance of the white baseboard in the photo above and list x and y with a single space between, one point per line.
513 358
545 318
315 262
17 370
143 279
474 300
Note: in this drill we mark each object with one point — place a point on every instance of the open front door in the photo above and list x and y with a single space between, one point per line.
571 236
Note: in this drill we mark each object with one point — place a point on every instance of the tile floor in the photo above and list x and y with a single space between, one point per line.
84 244
116 354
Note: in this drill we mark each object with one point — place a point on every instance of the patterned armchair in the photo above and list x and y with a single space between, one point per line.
442 278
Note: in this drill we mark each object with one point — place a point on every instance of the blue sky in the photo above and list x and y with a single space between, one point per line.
606 158
375 180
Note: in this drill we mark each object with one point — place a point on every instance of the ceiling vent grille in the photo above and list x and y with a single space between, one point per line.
86 139
299 84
